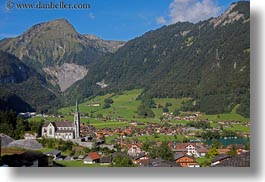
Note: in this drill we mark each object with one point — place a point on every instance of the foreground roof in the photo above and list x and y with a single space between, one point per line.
242 160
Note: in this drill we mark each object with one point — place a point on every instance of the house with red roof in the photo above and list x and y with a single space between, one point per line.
185 160
190 149
92 158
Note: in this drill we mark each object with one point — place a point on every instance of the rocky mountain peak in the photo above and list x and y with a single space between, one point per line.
59 28
49 43
232 14
92 37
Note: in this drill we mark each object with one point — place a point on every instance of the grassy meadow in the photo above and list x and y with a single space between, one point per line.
124 107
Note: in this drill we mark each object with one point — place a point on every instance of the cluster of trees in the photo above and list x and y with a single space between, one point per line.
107 103
145 108
15 127
144 111
122 161
200 125
64 146
244 108
71 148
165 108
189 105
163 151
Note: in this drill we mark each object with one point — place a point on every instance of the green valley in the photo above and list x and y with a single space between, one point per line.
123 113
177 93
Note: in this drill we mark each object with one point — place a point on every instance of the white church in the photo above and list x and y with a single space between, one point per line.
63 129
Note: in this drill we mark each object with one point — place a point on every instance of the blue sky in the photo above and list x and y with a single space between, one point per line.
111 19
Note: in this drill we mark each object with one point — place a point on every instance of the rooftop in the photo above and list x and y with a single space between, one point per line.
242 160
94 155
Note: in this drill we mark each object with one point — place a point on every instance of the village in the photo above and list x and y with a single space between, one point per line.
168 143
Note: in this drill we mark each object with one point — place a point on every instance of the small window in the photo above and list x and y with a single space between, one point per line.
50 131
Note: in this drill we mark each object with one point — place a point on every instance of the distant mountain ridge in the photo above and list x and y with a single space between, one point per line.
57 42
106 45
51 43
50 47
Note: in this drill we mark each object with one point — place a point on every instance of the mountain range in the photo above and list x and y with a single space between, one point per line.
208 61
57 50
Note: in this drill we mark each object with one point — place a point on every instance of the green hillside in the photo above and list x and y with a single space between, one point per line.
124 105
208 62
22 88
123 110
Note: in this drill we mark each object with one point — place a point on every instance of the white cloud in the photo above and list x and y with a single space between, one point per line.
192 10
161 20
92 16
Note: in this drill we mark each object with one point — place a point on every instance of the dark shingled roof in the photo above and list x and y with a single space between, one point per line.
64 124
162 163
119 154
47 124
220 157
242 160
106 159
60 124
201 148
177 156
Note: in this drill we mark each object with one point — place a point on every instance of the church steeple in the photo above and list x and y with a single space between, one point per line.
77 121
76 106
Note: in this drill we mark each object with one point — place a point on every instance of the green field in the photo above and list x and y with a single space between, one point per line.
111 125
232 116
225 117
78 164
240 128
125 107
176 104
